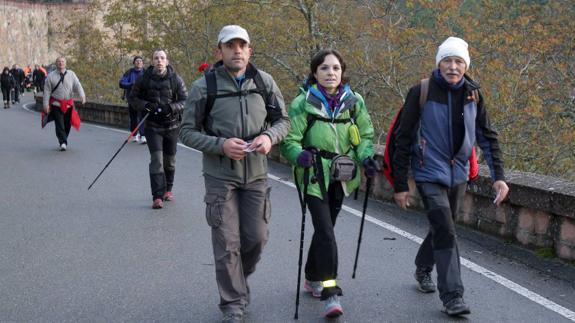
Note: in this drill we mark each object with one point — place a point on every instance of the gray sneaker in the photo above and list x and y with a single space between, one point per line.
333 307
233 318
424 282
456 307
313 287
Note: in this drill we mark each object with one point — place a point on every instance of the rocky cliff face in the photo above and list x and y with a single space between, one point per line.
31 33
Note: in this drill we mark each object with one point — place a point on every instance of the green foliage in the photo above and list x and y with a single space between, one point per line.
545 253
522 53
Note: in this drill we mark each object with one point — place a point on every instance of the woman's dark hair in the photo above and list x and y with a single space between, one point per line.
6 69
318 59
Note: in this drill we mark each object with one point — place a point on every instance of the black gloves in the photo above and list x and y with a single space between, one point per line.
158 109
165 109
151 107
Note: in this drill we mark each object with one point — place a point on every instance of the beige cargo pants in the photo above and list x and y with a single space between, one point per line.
238 215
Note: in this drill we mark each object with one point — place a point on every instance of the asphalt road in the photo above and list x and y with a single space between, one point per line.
72 255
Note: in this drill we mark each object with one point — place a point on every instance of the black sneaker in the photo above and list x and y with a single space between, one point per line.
456 307
424 282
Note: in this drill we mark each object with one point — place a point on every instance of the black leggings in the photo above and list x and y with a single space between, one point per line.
322 259
6 94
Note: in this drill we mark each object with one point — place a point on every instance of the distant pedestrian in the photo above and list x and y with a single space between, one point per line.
161 93
437 140
7 83
58 101
38 78
19 76
126 83
235 132
329 122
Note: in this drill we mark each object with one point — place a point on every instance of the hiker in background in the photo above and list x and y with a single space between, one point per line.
7 83
235 142
126 83
19 76
446 128
328 120
160 92
38 78
58 100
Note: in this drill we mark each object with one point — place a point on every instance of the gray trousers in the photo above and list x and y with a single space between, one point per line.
238 215
440 244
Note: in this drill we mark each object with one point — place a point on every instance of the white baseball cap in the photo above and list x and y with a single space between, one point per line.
230 32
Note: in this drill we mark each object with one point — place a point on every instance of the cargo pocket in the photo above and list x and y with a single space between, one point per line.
214 209
267 206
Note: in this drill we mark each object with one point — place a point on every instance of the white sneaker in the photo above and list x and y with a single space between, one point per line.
63 147
136 138
143 140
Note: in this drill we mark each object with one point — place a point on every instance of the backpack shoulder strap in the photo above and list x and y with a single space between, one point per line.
261 86
475 95
212 91
310 121
174 86
424 91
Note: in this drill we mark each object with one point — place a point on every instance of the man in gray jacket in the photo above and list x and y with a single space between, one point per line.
58 102
234 115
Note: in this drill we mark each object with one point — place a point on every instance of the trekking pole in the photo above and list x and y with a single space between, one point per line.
125 142
303 209
367 185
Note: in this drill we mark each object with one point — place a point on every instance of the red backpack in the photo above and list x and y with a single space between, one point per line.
390 141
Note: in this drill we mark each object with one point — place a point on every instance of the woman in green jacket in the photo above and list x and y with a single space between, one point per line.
329 125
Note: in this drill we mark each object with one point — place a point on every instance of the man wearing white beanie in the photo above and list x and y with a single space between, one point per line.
437 135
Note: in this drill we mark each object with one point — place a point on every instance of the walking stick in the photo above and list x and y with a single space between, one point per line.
303 209
125 142
367 186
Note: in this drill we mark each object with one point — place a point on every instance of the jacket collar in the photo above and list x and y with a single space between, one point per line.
317 100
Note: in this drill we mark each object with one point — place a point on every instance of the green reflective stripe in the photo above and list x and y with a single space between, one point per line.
329 283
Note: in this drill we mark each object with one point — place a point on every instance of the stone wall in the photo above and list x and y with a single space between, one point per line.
31 33
539 213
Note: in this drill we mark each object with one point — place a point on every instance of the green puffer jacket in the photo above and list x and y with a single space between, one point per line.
327 136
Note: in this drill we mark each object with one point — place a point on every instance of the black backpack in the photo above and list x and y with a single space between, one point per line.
273 111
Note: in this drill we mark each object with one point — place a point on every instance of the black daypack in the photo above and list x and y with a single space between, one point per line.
273 111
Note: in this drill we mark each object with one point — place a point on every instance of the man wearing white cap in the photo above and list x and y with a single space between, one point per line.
438 139
234 114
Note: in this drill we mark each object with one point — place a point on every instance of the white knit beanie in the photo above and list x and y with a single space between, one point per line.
453 46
